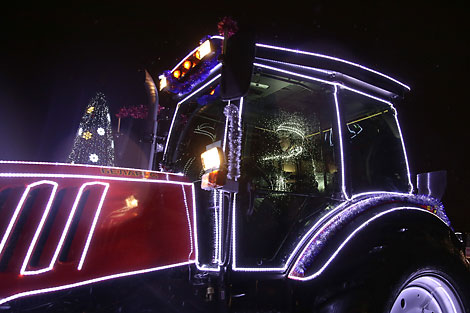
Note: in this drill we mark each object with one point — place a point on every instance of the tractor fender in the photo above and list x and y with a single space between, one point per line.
368 228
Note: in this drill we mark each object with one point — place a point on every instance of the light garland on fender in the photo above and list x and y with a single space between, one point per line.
348 238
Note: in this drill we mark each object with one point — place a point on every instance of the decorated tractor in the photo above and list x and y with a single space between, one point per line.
284 187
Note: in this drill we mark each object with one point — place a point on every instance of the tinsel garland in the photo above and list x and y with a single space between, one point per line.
234 139
349 212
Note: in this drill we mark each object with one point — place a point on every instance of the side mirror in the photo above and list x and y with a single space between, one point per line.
237 66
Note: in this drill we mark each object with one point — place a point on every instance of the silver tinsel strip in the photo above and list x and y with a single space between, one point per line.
234 140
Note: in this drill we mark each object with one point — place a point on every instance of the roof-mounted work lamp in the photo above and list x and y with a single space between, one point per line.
215 175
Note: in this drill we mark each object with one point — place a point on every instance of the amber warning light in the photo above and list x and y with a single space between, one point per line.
191 61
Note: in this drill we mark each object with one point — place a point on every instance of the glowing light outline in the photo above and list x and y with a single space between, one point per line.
334 59
91 281
87 165
329 215
350 236
93 224
170 131
189 222
76 201
304 67
410 184
341 148
85 176
302 241
45 214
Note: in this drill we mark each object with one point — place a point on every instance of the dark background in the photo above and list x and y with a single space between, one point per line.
54 58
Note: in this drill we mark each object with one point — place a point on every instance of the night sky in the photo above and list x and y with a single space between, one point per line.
54 59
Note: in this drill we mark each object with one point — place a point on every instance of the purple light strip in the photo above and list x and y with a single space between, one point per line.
334 59
91 281
32 245
351 235
93 225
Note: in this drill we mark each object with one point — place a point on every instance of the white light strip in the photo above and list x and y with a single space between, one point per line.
137 180
356 91
200 88
87 165
189 222
351 235
334 59
45 214
216 226
294 73
405 155
69 222
309 68
341 149
91 281
93 225
305 237
178 106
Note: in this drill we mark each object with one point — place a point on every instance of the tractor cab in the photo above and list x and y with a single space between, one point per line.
303 137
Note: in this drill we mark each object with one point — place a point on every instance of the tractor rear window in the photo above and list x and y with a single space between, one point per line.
375 157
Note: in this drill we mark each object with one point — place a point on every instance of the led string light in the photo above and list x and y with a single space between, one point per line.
341 148
17 211
91 281
333 59
93 225
340 209
189 222
86 165
45 214
350 236
23 270
178 106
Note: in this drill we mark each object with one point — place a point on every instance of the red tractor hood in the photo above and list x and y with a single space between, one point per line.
63 226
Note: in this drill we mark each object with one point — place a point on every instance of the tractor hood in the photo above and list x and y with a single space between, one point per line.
63 226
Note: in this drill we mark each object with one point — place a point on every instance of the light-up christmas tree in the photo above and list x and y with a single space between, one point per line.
94 140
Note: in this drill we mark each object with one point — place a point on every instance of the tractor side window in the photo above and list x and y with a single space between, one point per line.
289 146
374 150
289 165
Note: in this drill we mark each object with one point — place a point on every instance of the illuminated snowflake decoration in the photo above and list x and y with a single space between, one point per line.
94 158
100 131
90 110
87 135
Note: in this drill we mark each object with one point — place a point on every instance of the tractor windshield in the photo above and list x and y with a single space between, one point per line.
198 122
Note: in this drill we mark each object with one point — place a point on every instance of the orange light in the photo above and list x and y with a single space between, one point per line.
212 92
214 179
177 74
187 64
